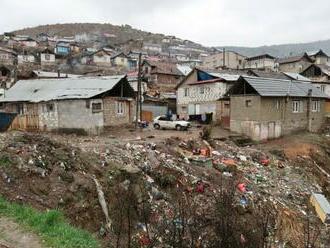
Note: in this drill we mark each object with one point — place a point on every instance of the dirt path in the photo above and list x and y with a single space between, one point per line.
13 236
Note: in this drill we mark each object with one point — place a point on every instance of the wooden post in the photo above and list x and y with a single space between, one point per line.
138 98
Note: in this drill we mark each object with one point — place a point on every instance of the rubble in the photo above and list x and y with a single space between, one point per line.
191 168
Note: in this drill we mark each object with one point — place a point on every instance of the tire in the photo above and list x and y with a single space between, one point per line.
156 126
178 127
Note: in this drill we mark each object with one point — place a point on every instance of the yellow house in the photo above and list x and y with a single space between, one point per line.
120 59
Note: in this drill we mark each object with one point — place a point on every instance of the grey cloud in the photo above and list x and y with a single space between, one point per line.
211 22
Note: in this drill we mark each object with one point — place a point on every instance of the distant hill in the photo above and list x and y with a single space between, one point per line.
284 50
107 33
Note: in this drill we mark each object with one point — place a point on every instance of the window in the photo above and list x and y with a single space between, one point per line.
120 108
248 103
184 109
316 106
297 106
49 107
96 107
201 90
186 92
322 88
47 57
88 104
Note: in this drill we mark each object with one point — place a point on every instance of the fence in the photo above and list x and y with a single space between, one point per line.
25 123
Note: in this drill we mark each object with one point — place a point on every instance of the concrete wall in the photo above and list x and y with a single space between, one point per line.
79 114
47 59
120 61
156 110
232 60
267 118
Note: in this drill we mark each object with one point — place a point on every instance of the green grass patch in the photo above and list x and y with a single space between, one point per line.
50 226
5 161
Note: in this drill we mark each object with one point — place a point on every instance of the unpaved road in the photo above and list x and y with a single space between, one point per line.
14 236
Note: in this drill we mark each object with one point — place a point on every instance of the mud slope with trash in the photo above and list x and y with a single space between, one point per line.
175 192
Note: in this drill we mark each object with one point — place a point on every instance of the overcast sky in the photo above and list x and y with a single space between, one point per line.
210 22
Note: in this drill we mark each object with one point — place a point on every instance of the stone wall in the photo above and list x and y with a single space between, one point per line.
111 115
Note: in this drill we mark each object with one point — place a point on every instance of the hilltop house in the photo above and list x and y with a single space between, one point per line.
26 59
294 64
47 57
225 60
62 48
319 57
198 94
261 62
101 57
120 59
152 47
86 104
265 108
161 76
7 56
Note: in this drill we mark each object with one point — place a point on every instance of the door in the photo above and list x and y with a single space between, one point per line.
197 109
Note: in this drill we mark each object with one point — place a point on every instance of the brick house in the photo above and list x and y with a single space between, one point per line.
261 62
295 64
7 56
319 57
265 108
319 74
89 104
200 91
162 76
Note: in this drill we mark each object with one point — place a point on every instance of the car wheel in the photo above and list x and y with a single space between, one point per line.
156 126
178 127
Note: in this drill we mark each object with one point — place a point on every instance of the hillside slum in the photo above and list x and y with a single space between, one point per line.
204 192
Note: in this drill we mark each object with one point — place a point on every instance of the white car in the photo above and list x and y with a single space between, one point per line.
166 123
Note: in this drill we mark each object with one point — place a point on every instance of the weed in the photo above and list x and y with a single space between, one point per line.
50 225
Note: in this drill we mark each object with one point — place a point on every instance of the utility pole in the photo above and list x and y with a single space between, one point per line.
138 98
224 58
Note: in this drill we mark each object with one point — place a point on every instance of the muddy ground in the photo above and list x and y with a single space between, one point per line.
56 171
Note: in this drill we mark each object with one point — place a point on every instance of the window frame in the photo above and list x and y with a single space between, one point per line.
316 106
120 108
297 106
96 110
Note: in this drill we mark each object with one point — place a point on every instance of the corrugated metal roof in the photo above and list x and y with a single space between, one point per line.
297 76
324 204
225 76
40 90
280 87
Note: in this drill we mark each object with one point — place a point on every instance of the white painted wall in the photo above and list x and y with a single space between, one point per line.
25 59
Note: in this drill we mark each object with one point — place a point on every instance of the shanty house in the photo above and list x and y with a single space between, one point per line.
265 108
199 93
261 62
294 64
88 104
